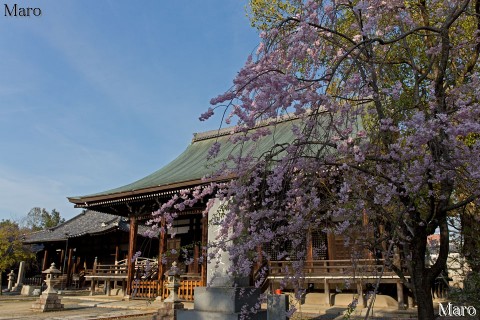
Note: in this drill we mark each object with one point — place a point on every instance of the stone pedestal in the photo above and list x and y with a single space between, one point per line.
223 303
48 302
168 311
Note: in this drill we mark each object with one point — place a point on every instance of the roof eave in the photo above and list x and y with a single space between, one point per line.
125 195
43 241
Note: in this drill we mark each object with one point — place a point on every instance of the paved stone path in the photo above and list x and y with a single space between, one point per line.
75 309
103 307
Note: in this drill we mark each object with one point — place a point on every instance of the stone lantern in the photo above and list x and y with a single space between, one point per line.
11 280
173 280
169 307
50 280
49 300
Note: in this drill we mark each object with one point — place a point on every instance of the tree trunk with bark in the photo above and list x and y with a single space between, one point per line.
421 279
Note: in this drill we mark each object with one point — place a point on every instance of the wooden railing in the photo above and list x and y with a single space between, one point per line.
185 291
145 268
33 281
107 273
318 268
109 269
139 260
144 289
146 271
148 289
145 285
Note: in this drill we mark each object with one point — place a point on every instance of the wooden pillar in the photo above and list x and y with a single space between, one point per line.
259 258
309 250
196 255
117 252
132 244
62 257
162 248
327 292
397 262
331 252
331 246
77 265
197 238
370 235
381 229
361 299
94 271
69 267
108 288
401 302
411 301
45 264
204 251
194 228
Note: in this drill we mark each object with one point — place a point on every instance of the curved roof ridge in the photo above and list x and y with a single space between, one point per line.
199 136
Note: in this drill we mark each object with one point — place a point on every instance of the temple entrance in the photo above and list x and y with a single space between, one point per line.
183 245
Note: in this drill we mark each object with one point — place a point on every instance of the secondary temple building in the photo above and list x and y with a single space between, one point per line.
134 203
89 239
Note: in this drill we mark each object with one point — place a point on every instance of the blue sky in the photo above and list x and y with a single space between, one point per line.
96 94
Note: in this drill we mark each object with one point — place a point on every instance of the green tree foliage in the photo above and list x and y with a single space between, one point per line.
265 13
38 219
12 249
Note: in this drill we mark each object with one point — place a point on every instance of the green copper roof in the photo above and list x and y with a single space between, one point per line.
193 164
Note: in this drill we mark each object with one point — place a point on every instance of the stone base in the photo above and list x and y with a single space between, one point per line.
277 306
28 290
384 301
168 311
208 315
48 302
317 298
17 288
222 303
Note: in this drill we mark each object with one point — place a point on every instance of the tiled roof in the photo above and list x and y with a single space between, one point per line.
193 164
86 223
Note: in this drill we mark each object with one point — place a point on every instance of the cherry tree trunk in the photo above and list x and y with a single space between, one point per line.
422 282
424 300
